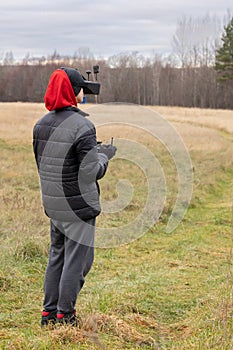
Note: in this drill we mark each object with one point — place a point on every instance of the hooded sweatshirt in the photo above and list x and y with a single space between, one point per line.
59 93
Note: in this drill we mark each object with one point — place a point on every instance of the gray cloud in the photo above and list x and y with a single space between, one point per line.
105 26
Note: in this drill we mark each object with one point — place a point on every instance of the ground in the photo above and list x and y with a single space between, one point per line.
158 290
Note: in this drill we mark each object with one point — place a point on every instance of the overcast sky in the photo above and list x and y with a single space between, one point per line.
106 27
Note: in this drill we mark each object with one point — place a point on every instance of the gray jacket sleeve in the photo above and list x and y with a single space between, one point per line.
92 165
103 165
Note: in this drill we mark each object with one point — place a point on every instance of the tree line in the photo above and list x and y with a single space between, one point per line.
154 83
198 74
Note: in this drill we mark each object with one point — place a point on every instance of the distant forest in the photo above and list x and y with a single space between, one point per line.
186 78
150 82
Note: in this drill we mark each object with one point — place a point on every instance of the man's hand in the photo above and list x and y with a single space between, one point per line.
108 150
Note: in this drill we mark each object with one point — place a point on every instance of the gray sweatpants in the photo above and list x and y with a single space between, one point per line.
70 259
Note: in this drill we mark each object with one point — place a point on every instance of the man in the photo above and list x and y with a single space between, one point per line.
69 165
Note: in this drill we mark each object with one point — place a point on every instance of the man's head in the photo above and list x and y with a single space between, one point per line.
78 81
66 87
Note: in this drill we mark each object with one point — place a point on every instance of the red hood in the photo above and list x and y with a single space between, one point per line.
59 93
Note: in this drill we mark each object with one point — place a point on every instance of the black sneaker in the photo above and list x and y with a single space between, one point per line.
48 317
67 318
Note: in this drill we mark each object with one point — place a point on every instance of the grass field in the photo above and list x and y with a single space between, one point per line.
162 291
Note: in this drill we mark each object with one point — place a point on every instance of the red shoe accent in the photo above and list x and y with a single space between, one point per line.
45 313
59 316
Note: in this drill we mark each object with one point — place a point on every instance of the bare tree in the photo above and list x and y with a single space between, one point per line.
196 39
8 59
181 40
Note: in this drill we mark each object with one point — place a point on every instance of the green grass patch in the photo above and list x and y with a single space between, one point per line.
162 291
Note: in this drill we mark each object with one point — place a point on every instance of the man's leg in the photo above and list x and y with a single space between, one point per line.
54 269
78 260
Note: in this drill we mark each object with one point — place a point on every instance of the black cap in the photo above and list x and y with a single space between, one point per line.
79 82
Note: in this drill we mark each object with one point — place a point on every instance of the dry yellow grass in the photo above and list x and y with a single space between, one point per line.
161 291
201 129
17 119
213 118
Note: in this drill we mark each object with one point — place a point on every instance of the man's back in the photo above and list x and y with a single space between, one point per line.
64 144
